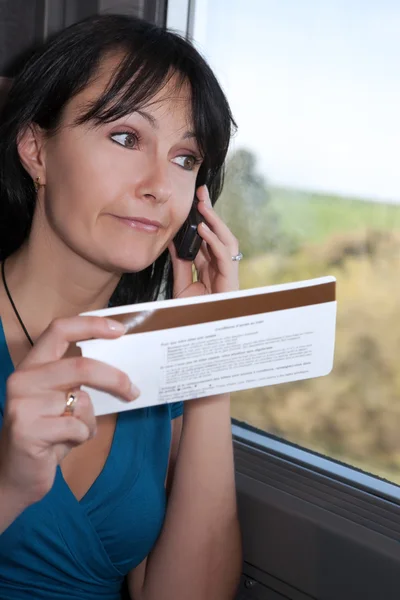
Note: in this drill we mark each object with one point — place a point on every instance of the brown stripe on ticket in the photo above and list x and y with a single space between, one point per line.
218 310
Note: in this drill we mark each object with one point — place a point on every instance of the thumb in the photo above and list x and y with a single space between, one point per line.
182 270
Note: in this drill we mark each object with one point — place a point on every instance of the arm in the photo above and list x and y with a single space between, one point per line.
198 554
136 577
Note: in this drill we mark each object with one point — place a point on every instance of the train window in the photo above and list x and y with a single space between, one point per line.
23 24
313 188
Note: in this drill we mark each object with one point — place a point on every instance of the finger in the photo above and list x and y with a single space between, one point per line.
214 221
83 410
203 195
62 430
61 450
71 373
221 230
203 254
49 404
203 259
221 253
54 341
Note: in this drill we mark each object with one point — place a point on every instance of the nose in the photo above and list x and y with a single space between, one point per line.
154 182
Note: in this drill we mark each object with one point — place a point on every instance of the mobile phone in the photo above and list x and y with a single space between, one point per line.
188 240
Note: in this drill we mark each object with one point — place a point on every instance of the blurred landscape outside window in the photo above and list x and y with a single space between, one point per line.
313 188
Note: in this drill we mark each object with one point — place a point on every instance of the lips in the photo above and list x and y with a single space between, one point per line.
140 223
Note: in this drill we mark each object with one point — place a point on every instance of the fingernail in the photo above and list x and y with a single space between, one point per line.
205 226
116 326
135 392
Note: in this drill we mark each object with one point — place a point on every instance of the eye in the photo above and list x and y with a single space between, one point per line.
187 162
126 139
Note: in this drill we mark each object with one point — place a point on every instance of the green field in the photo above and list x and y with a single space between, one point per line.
314 217
353 414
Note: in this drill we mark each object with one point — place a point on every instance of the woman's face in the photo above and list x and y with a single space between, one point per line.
117 193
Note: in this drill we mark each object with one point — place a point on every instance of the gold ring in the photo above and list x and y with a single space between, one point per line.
70 403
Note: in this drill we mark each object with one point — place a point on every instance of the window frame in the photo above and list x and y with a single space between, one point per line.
310 525
179 16
58 14
307 458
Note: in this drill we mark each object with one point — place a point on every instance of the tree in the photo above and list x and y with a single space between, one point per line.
246 208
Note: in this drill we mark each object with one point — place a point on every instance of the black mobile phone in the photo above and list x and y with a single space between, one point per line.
188 240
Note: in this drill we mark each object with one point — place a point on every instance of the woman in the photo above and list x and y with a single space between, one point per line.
105 137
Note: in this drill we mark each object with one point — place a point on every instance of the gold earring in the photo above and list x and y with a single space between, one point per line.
36 183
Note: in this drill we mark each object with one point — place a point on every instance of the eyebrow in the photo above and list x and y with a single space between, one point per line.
153 122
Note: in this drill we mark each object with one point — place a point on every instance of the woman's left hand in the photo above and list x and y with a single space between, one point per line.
216 271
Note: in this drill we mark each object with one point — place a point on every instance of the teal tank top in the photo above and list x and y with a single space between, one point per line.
62 548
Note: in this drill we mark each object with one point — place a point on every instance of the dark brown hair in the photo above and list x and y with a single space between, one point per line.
63 67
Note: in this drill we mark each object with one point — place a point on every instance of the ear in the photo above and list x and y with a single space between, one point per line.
31 151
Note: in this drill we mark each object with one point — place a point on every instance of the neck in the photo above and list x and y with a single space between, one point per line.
48 281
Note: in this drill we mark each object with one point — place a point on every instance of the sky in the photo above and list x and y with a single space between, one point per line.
314 86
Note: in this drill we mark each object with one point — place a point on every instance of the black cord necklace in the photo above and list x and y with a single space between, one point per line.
3 275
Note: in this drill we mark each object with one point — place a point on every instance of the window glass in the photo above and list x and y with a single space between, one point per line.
313 188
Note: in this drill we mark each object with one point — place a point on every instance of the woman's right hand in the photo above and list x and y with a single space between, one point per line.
36 435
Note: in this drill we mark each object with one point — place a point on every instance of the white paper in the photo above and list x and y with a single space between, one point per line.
189 362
